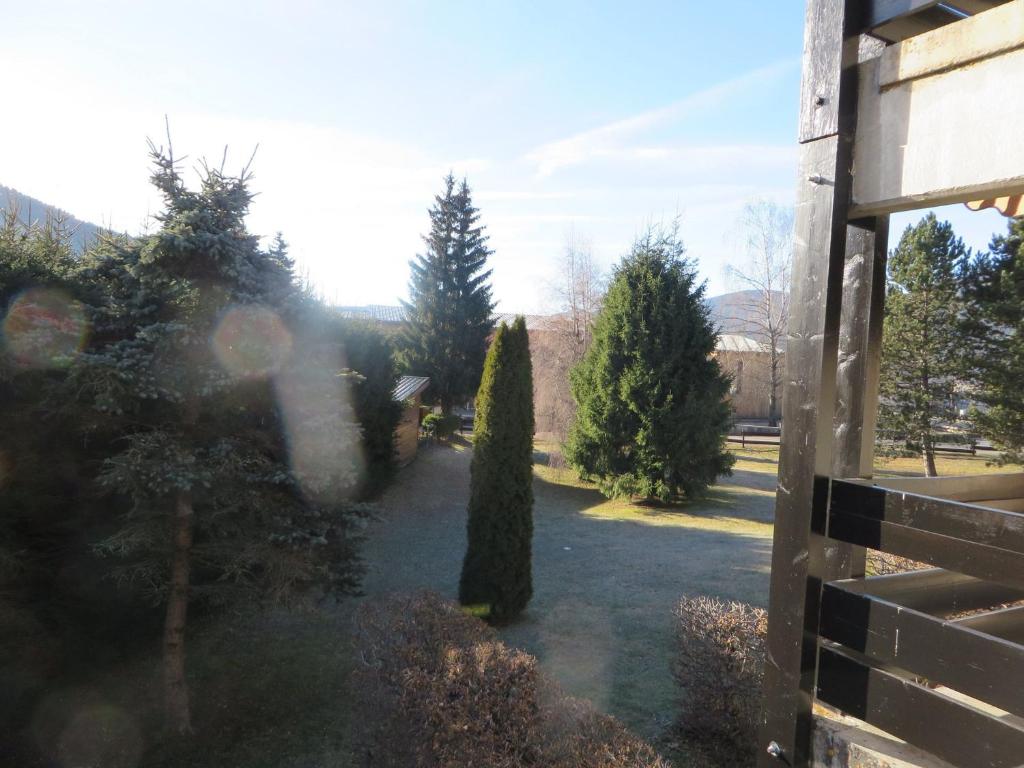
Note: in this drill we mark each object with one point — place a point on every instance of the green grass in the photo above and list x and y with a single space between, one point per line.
765 459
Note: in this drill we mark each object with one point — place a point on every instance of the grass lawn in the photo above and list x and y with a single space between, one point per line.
607 574
765 458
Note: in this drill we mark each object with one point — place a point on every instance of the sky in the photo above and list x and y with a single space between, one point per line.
588 119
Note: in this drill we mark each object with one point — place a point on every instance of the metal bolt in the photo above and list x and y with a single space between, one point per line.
816 179
775 750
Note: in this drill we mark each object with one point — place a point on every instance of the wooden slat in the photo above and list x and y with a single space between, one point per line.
955 655
955 519
935 591
998 485
985 562
896 20
949 729
1007 623
975 6
973 39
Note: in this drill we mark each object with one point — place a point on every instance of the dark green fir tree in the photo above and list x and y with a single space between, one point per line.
994 327
652 401
922 341
496 572
449 309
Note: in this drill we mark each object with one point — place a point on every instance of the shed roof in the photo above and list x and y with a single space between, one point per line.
409 386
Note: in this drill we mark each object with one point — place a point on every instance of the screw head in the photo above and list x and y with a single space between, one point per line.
775 750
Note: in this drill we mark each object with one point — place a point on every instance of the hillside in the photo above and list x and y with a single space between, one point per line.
31 210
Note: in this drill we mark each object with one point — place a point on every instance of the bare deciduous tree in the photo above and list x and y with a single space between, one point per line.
768 231
566 335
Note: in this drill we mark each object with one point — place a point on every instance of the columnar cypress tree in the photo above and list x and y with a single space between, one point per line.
449 309
652 413
496 571
922 342
994 326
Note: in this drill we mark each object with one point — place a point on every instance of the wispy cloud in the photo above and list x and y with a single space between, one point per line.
614 138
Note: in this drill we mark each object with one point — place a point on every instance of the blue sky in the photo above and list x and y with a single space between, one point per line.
593 118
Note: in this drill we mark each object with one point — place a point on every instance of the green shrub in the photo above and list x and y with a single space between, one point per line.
436 688
440 427
369 352
719 665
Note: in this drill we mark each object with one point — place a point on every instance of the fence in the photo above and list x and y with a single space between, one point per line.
934 657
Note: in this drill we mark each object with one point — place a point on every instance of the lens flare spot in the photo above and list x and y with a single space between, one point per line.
44 328
324 438
100 735
251 342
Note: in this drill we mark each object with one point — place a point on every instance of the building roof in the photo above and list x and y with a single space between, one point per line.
395 314
731 342
381 313
409 386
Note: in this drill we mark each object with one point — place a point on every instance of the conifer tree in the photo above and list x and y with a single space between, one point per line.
230 448
994 327
922 342
496 571
652 409
449 308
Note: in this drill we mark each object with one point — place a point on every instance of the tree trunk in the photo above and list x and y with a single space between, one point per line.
929 458
177 715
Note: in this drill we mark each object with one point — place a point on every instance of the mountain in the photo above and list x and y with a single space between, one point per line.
733 312
30 210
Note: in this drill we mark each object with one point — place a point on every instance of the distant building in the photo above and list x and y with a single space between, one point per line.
409 391
741 356
749 364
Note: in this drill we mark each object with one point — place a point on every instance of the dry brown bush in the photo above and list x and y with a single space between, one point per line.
719 667
436 688
884 563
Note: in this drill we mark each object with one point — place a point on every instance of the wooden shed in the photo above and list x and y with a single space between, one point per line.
409 391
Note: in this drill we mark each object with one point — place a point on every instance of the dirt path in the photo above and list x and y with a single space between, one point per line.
606 575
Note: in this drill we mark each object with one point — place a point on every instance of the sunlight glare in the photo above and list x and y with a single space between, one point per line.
44 328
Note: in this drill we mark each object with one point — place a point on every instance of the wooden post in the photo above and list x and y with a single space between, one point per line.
800 559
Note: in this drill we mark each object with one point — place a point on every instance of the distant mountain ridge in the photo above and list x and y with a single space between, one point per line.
30 211
734 313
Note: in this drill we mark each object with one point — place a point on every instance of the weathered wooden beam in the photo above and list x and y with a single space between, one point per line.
955 655
934 130
981 560
949 729
801 561
997 485
955 519
935 591
980 37
1006 623
860 336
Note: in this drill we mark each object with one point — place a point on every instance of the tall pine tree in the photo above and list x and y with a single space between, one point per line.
994 326
230 448
449 309
922 341
496 572
652 413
